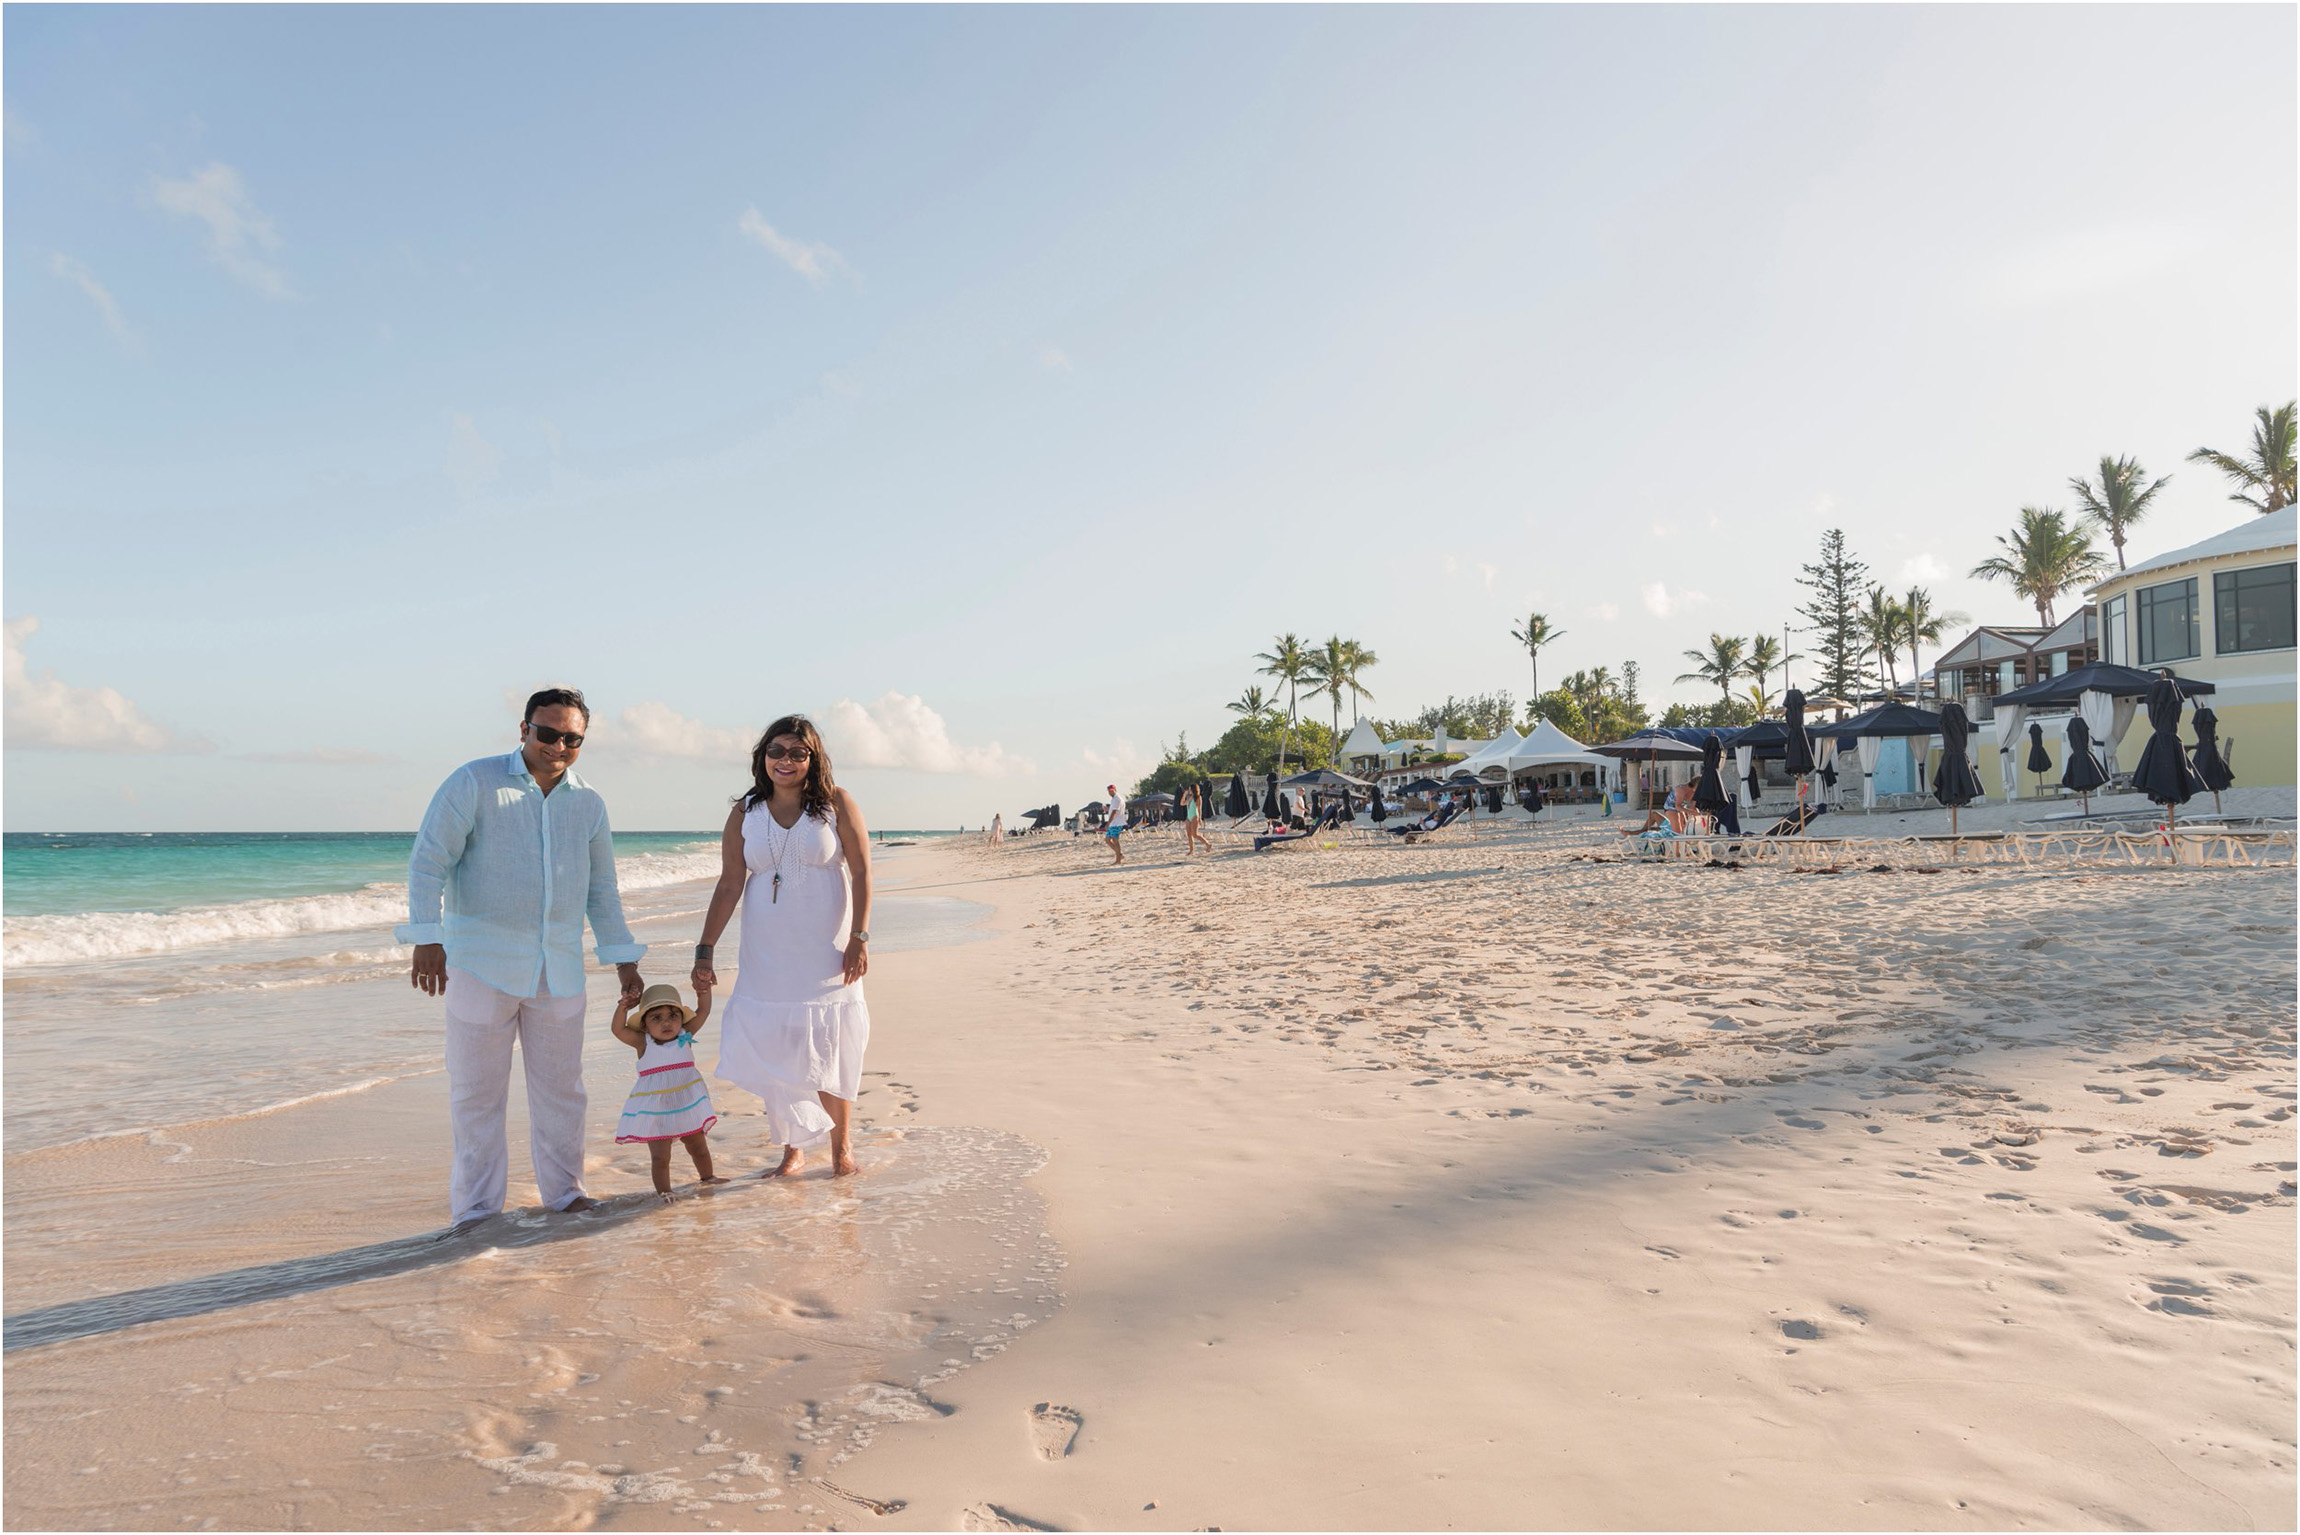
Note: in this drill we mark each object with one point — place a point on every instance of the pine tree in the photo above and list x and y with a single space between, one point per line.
1837 581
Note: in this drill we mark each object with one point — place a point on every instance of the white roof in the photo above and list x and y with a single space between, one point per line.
1362 741
1492 754
2255 535
1545 746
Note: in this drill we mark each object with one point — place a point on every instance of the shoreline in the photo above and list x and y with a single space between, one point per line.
1381 1188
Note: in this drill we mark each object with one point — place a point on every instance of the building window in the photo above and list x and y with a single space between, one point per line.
2167 622
2115 644
2060 663
2008 676
2253 610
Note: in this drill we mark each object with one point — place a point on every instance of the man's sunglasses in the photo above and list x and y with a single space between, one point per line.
778 752
549 737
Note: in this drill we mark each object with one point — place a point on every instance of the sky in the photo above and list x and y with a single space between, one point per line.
993 383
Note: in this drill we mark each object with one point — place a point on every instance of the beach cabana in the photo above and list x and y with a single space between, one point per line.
1546 746
2107 695
1871 729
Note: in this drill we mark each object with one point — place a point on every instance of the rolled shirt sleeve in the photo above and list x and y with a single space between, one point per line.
438 848
611 935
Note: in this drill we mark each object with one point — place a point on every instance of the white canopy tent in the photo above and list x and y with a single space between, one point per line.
1493 756
1547 746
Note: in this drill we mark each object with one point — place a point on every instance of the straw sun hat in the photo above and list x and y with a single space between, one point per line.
660 996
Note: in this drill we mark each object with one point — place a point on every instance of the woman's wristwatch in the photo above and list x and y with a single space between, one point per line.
860 935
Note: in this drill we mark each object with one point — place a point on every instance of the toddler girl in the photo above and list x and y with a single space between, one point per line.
669 1102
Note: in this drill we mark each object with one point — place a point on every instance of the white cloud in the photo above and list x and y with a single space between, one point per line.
237 228
815 261
1452 565
1661 602
1122 765
657 730
1607 611
324 756
77 273
44 713
2091 262
1054 359
472 461
1920 570
1488 572
900 731
1824 506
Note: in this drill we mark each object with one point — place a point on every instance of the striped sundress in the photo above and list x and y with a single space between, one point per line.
670 1098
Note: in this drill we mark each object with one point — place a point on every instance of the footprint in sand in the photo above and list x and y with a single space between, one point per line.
1054 1429
989 1516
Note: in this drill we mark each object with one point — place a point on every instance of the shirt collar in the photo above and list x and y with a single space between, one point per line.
516 766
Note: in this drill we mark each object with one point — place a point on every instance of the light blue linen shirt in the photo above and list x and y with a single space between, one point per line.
518 870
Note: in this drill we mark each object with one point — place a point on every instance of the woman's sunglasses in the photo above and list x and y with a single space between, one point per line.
778 752
550 737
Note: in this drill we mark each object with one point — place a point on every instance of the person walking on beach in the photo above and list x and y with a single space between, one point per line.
796 856
1193 811
513 855
1114 824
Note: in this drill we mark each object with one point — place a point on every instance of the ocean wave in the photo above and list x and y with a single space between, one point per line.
75 937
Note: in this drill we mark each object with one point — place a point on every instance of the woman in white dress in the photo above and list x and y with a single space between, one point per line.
796 855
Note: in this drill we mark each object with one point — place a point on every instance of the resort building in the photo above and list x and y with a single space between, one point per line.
2220 611
1996 658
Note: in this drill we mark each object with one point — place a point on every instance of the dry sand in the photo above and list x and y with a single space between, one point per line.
1472 1185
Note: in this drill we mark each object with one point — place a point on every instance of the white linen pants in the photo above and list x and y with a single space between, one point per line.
482 1024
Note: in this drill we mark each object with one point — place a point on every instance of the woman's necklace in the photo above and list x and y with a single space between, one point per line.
775 890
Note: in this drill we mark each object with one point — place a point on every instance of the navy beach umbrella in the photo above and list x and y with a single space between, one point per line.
1797 751
2082 772
2211 767
1240 802
2164 774
2039 761
1270 806
1709 789
1954 782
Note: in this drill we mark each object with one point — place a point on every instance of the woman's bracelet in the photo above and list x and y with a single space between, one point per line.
702 956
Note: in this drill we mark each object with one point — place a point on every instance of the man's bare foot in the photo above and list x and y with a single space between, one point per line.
579 1203
714 1180
793 1160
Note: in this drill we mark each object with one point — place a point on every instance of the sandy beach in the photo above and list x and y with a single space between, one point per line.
1496 1183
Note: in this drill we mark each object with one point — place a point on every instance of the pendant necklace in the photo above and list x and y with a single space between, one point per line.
775 890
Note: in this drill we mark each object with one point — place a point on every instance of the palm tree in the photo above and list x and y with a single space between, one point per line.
1881 623
1919 623
1533 636
1355 659
1763 700
2043 557
2118 501
2268 476
1765 658
1721 665
1287 661
1329 672
1252 705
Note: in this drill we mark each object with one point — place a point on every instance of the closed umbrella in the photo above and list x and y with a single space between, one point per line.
1493 799
2164 774
1797 751
1379 808
1954 782
2039 761
2211 767
1240 804
1709 789
1270 806
2081 770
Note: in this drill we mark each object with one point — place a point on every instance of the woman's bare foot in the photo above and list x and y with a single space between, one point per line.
793 1160
843 1164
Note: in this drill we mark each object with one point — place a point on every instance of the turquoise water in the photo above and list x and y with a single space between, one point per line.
54 873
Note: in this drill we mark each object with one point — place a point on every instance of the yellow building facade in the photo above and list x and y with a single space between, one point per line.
2221 611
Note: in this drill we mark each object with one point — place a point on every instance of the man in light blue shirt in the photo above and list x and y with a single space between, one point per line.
514 854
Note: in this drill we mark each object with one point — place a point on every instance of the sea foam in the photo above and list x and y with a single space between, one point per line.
76 937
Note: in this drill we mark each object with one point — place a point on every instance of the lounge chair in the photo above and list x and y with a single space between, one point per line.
1794 824
1428 825
1330 821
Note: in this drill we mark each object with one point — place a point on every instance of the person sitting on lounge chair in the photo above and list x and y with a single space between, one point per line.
1671 819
